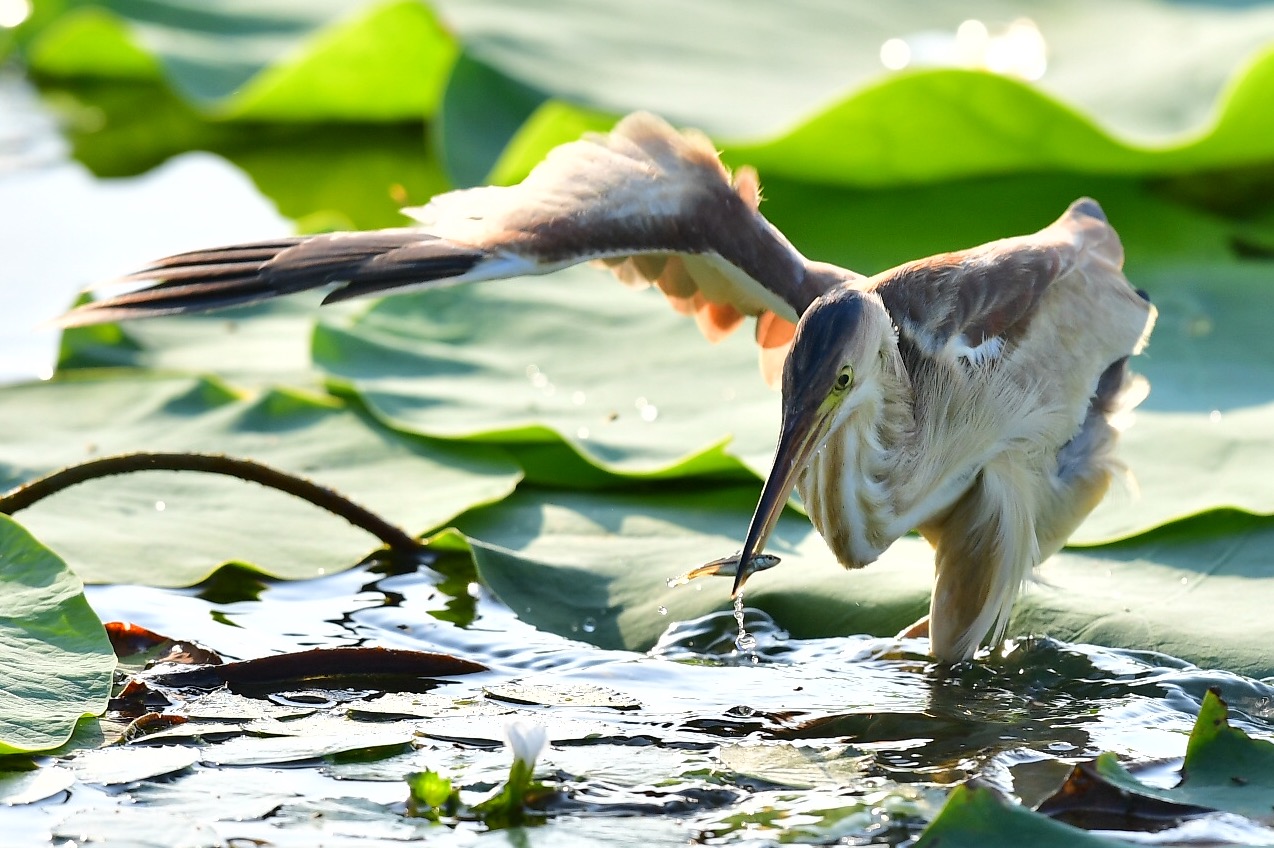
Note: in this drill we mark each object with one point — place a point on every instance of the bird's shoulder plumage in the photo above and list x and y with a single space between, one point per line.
977 305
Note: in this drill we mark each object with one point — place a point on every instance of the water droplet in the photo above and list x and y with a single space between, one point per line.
649 412
588 625
1215 416
531 371
640 402
582 433
745 642
160 506
664 610
474 589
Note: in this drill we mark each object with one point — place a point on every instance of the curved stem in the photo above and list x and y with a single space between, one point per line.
244 469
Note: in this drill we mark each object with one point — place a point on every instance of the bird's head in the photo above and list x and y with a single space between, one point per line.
832 370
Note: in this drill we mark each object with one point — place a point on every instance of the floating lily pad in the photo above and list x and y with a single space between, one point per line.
134 827
623 380
557 694
1225 770
112 766
55 659
976 815
801 767
27 787
595 567
365 738
112 529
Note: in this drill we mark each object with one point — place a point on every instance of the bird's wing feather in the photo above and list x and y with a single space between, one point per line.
969 304
976 304
654 204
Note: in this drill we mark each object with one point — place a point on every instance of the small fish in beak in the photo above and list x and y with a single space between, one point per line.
727 566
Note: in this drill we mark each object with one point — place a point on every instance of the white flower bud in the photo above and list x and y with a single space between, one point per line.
526 739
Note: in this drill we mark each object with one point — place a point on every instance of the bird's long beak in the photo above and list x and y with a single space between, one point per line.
804 425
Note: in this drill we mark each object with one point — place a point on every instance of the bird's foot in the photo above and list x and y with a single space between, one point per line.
917 630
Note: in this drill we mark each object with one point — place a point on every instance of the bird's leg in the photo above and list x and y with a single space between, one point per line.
986 546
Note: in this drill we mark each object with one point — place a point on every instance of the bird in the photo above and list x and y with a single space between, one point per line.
974 396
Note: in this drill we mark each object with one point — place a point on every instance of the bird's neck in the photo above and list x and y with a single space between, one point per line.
878 476
848 487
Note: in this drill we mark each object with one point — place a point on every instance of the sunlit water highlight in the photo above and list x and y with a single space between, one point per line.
734 740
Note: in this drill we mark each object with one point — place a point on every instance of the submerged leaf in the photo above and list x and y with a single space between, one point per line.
393 669
802 767
1102 795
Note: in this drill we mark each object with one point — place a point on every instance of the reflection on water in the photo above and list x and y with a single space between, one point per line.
816 739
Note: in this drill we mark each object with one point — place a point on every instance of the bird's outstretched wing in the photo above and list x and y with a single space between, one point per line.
654 204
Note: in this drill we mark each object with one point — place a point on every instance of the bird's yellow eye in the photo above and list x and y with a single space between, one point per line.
844 379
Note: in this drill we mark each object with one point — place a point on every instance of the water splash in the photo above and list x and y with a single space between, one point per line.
745 642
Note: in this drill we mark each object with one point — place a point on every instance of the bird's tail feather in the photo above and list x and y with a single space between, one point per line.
360 263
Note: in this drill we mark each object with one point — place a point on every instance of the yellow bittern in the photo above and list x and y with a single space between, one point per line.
974 396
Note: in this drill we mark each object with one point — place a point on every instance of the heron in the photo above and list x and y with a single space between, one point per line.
975 396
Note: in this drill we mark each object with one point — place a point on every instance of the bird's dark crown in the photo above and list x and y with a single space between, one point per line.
822 337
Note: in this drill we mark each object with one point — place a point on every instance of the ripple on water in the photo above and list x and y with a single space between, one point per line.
845 738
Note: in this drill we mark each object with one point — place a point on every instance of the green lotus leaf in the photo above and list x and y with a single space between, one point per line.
282 61
977 816
55 659
618 376
572 358
561 559
1225 770
802 91
173 529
